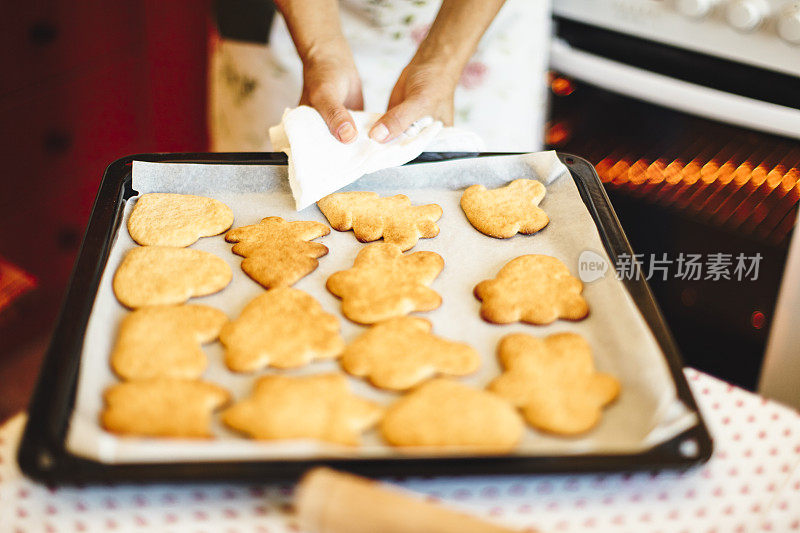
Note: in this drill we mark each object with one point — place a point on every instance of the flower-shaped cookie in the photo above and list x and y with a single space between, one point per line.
162 407
385 283
402 352
283 328
446 414
553 381
537 289
308 407
506 211
164 341
372 217
276 252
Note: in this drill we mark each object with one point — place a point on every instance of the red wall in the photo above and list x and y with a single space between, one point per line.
82 84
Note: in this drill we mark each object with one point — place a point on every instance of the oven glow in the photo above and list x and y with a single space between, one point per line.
723 188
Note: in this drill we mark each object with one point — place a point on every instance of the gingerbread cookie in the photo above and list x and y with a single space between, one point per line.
372 217
308 407
278 253
448 414
554 382
384 283
164 341
402 352
162 407
283 328
166 219
160 275
537 289
505 211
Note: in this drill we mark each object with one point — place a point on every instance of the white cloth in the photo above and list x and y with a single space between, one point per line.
501 95
319 164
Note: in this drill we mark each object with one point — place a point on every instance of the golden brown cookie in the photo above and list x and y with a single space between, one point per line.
385 283
553 381
309 407
164 341
277 252
283 328
372 217
537 289
161 275
505 211
162 407
166 219
448 414
402 352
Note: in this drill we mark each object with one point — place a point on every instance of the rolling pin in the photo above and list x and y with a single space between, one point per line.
327 501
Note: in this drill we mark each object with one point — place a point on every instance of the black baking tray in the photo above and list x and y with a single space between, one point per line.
42 453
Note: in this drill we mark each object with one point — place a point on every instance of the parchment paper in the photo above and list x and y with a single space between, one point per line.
646 413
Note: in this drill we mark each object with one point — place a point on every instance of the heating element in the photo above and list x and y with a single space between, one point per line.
715 173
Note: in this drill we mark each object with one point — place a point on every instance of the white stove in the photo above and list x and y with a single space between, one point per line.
762 33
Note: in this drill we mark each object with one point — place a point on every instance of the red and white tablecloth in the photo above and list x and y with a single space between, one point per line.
751 484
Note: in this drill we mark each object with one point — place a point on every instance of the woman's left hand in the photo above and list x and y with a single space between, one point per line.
428 84
424 88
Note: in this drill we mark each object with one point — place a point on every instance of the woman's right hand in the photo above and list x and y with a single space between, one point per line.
331 85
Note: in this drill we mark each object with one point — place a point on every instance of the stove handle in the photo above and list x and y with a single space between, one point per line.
673 93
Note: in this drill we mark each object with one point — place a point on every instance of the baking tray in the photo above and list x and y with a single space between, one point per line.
43 456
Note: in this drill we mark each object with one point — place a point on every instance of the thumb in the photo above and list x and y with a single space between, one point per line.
397 120
338 118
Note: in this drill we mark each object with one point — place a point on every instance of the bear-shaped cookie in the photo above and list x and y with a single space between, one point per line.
537 289
402 352
553 381
506 211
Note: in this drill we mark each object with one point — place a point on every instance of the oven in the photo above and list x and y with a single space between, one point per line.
690 110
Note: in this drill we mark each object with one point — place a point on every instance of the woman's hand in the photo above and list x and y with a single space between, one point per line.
331 85
428 84
423 89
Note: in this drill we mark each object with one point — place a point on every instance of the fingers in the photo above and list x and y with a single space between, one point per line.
336 116
339 121
397 120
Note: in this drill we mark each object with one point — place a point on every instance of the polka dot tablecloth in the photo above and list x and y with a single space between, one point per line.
751 484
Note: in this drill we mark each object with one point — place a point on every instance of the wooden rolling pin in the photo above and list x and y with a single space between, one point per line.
327 501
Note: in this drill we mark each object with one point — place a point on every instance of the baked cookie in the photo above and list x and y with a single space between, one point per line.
164 341
384 283
505 211
167 219
277 252
161 275
372 217
553 381
283 328
308 407
448 414
537 289
162 407
402 352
